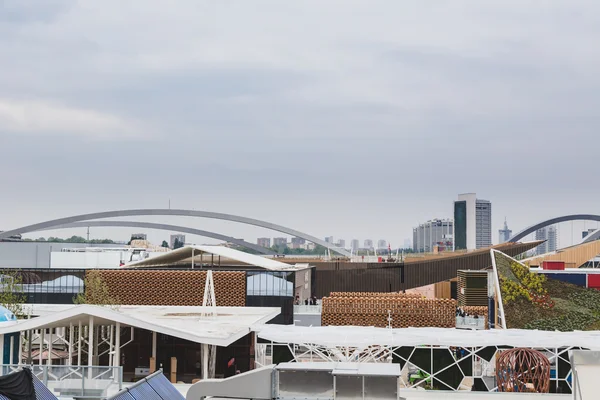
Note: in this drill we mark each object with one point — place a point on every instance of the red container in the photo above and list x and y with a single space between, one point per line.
553 265
594 281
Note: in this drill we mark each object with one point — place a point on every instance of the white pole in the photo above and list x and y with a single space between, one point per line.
110 347
71 334
91 342
12 350
204 361
193 257
79 333
41 345
118 344
50 340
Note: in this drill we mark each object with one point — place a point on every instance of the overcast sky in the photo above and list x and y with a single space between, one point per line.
339 117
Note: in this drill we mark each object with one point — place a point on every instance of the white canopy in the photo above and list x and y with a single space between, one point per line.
230 324
188 252
353 336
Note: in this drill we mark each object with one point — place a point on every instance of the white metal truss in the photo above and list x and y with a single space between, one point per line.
480 368
209 304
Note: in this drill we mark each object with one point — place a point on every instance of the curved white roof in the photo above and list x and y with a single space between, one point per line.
187 252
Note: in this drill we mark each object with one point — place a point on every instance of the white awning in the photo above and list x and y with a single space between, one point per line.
354 336
188 252
230 324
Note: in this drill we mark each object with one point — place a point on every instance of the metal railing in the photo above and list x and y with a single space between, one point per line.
73 380
304 309
470 323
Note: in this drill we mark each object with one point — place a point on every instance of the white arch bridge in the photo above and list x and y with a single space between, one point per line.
84 220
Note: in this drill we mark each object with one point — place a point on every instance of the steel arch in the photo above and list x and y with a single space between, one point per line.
165 227
169 212
552 221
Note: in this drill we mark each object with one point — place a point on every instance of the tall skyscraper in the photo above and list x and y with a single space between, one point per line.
368 244
437 232
341 244
355 244
472 222
504 234
549 234
264 242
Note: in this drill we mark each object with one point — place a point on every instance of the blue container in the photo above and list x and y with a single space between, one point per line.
575 279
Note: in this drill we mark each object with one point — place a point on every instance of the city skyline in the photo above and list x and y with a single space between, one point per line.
76 129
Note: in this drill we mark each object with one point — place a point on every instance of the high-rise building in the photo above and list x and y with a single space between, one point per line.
472 222
505 234
341 244
368 244
264 242
437 232
549 234
329 239
180 239
280 242
355 244
298 241
382 244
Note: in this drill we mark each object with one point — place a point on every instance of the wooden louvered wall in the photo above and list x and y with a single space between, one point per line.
174 287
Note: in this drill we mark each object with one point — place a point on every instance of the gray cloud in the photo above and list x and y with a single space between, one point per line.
351 118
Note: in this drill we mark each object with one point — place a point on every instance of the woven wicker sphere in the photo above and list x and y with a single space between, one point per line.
523 370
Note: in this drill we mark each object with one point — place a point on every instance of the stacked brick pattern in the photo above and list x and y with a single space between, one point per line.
480 311
174 288
371 309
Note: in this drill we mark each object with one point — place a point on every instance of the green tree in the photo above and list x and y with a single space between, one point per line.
96 291
12 296
164 244
177 244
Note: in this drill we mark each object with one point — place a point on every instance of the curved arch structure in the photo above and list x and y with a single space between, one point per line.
557 220
167 212
165 227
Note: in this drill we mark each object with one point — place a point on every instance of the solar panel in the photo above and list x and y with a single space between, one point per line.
144 391
164 388
3 397
123 396
41 391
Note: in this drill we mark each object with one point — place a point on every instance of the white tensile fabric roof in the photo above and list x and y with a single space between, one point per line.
356 336
230 324
187 252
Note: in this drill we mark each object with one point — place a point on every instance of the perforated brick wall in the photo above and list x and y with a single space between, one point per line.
174 288
374 309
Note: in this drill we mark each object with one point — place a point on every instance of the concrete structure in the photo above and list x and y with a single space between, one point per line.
504 234
329 239
437 232
180 238
368 244
168 212
341 244
549 235
382 244
264 242
472 222
355 245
